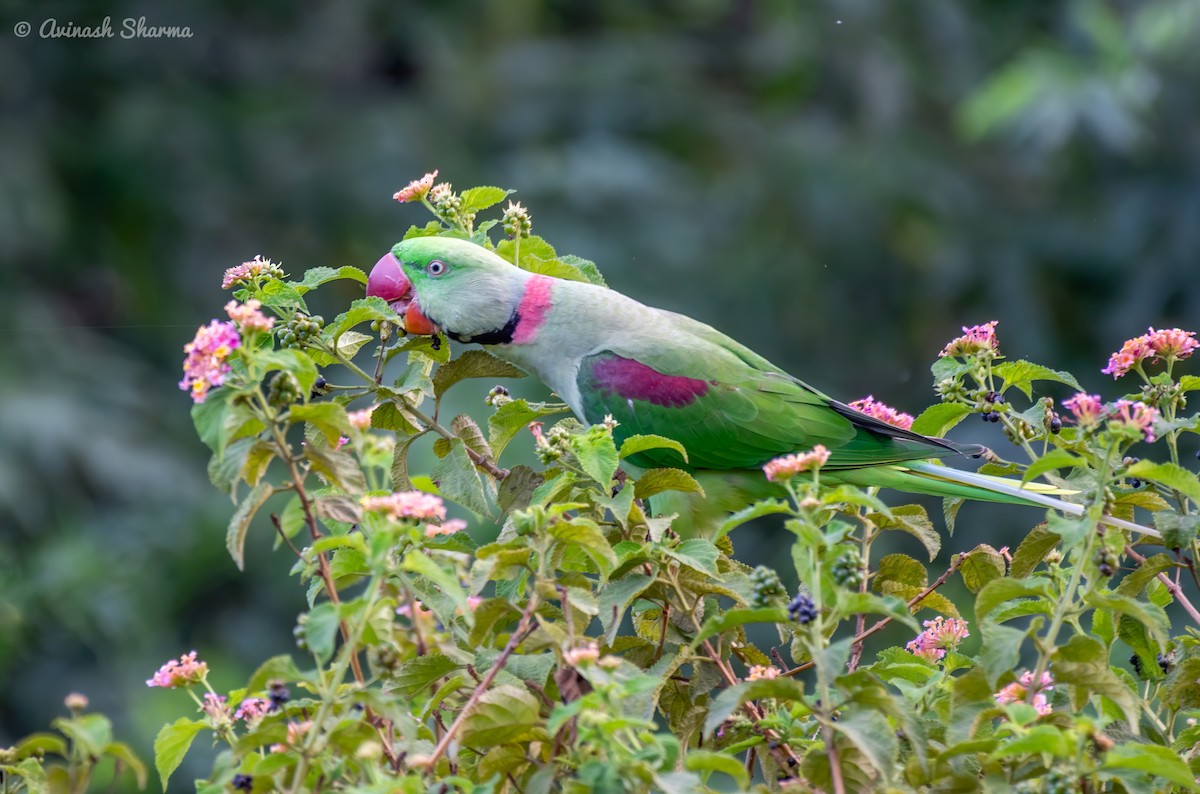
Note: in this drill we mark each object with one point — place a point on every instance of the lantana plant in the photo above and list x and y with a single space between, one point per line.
565 638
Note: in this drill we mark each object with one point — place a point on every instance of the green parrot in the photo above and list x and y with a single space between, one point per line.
662 373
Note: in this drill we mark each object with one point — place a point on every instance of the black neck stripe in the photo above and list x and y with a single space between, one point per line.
499 336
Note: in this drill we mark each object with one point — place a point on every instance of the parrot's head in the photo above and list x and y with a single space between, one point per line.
449 285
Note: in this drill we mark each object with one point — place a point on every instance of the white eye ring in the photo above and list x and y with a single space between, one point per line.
435 268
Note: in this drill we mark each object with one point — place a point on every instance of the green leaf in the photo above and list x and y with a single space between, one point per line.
281 295
937 420
1174 477
420 673
732 618
400 479
465 428
211 420
447 583
339 468
696 553
1083 662
458 481
91 732
585 534
1152 758
477 199
315 277
281 667
123 754
765 507
597 456
1021 375
997 591
1052 460
363 310
320 630
239 524
615 598
513 417
1178 531
293 361
732 698
517 488
1037 740
1032 550
502 715
171 745
710 761
1000 651
472 364
640 443
873 735
656 481
915 521
979 566
1190 382
1153 619
585 266
849 603
1134 582
328 418
900 569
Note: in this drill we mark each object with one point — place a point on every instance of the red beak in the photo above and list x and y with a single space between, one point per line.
387 281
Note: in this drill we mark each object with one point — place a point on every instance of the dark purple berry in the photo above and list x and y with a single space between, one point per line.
243 782
1135 483
802 609
1136 662
994 416
1166 661
1055 424
1106 569
278 694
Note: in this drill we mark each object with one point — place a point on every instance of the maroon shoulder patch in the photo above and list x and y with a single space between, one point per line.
633 380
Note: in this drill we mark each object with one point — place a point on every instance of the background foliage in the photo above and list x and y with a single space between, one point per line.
839 185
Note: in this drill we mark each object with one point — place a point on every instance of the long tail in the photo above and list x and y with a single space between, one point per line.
934 480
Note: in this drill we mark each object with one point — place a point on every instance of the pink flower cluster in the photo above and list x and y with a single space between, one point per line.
416 189
216 708
248 316
940 635
975 339
247 271
1138 416
406 504
252 709
1088 409
760 672
361 420
884 413
1017 691
183 672
789 466
205 365
1171 344
446 528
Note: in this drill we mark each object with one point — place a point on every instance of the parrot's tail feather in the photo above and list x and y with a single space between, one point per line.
1012 491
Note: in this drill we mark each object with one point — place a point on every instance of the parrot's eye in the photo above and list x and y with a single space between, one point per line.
435 268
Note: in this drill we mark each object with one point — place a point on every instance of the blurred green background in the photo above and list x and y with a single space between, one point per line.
840 184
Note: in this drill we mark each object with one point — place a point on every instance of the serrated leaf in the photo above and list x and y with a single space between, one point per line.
171 745
585 266
320 630
399 470
981 565
759 509
1000 650
1021 375
1174 477
586 535
465 428
363 310
502 715
472 364
873 735
458 480
1178 531
328 418
513 417
123 754
338 468
517 488
1083 662
656 481
696 553
997 591
711 761
1151 758
1134 582
1051 461
900 569
937 420
851 603
281 295
731 698
336 507
446 582
316 276
915 521
615 598
1153 619
239 524
641 443
292 361
477 199
732 618
1032 550
420 673
597 455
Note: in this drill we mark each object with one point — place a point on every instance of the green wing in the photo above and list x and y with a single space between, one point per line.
729 407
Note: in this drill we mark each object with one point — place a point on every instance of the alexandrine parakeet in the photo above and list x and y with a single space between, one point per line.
662 373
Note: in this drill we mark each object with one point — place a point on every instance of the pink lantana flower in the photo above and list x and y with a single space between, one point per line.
1131 355
361 420
217 709
1172 343
1088 409
243 274
1019 689
760 672
789 466
975 339
206 363
1135 415
252 710
184 672
884 413
446 528
406 504
416 189
940 635
248 316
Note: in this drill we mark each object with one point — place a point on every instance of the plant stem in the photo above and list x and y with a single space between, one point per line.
1172 587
